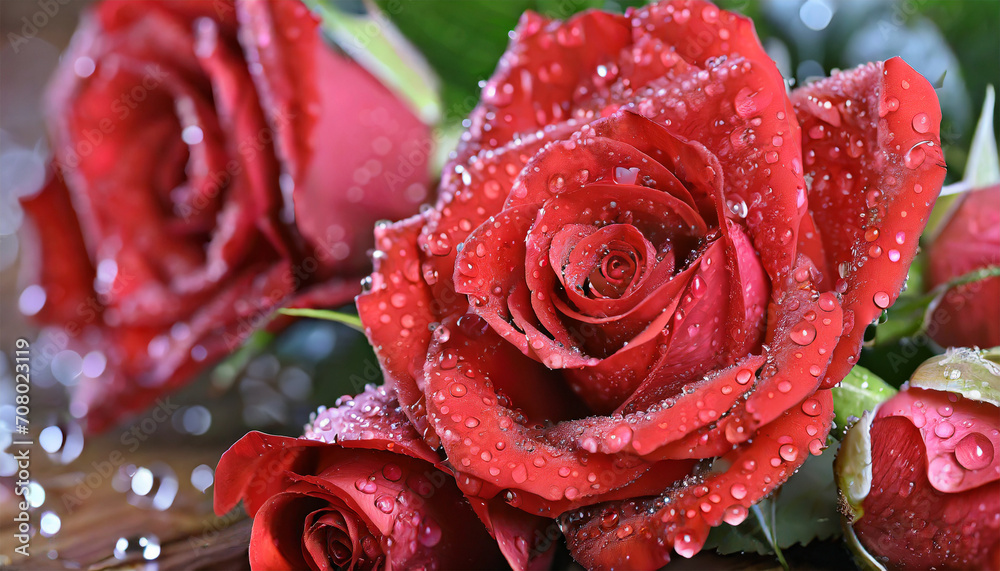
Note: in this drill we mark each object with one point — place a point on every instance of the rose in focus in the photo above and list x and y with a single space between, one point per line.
646 266
967 315
360 490
209 167
920 476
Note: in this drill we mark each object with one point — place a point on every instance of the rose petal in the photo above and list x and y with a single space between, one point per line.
539 78
872 149
904 513
383 177
372 419
969 240
501 450
471 190
254 466
396 310
274 544
960 437
802 335
60 264
524 539
684 515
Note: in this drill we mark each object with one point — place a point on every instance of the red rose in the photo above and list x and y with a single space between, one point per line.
967 315
645 256
360 490
211 165
920 476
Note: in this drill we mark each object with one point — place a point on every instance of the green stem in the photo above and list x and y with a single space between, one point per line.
770 534
352 321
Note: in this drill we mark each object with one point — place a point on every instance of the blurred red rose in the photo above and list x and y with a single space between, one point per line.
921 479
360 490
212 162
646 266
967 315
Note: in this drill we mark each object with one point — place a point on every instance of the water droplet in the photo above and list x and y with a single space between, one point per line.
618 438
458 390
743 377
803 333
974 451
737 206
625 175
429 533
147 545
944 473
921 123
609 519
685 544
49 524
385 504
734 515
915 156
739 491
365 485
827 301
944 429
788 452
154 487
881 299
812 407
771 157
202 477
746 103
816 447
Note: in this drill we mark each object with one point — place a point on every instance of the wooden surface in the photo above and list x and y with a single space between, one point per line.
94 517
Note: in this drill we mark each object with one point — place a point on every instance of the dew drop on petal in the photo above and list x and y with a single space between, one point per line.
944 429
803 334
944 473
744 376
685 544
812 407
788 452
734 515
881 299
739 491
974 451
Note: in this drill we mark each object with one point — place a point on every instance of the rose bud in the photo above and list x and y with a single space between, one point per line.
212 162
919 476
361 490
967 315
646 266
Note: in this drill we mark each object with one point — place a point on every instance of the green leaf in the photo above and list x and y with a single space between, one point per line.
352 321
972 373
860 390
802 510
983 167
373 42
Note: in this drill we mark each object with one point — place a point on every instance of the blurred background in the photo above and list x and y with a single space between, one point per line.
143 498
